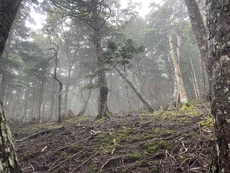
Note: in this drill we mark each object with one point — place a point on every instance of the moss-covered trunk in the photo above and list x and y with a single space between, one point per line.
8 160
219 46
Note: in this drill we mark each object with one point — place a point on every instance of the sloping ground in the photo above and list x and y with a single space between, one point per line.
162 142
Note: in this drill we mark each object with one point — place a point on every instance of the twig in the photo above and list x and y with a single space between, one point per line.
167 153
185 149
50 170
83 140
62 148
83 163
113 158
38 133
31 167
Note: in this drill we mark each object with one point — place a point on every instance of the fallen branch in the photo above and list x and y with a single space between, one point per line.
84 163
50 170
113 158
38 133
83 140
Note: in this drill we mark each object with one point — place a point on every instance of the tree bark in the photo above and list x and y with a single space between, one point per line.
52 100
60 87
179 93
8 11
44 103
8 160
198 29
102 81
71 57
200 33
219 46
139 95
86 100
194 80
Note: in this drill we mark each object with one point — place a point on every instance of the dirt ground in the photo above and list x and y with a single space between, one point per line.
162 142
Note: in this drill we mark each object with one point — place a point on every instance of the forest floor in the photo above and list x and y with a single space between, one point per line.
161 142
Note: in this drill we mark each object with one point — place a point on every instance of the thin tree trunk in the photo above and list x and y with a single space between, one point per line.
12 107
55 48
40 98
65 99
51 111
139 95
196 89
70 67
3 87
204 93
44 103
84 106
25 105
60 89
179 90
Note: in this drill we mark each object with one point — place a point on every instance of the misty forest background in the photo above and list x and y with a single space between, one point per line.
39 65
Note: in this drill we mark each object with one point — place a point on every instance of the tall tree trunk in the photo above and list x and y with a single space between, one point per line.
65 99
12 106
60 89
55 48
8 160
3 86
25 105
179 90
201 37
52 100
84 106
70 60
8 11
40 98
44 103
139 95
194 80
219 46
102 81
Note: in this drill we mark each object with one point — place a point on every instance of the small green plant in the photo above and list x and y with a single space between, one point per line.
206 123
136 155
63 154
25 157
155 146
74 148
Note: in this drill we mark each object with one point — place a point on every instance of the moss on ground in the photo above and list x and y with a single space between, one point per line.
136 143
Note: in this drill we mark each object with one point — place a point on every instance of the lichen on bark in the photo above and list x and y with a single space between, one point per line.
8 159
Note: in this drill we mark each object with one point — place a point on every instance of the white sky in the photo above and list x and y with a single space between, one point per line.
144 5
144 9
